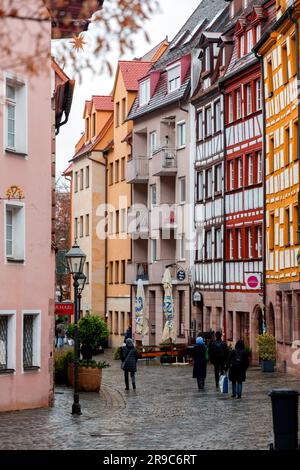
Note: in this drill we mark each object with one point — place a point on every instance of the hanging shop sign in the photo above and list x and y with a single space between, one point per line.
64 308
181 275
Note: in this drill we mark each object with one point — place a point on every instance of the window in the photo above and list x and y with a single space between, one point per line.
81 226
207 59
111 173
250 169
259 242
242 46
284 64
87 129
123 220
7 340
208 244
245 4
76 227
87 177
111 272
123 269
123 162
16 116
117 266
181 134
117 170
200 182
271 154
270 77
209 183
218 179
144 92
218 243
153 142
250 242
182 192
287 231
200 125
295 224
231 248
238 104
293 63
271 232
249 40
117 221
295 140
258 32
81 179
240 172
124 113
174 78
153 195
208 121
259 167
153 250
231 9
231 175
15 232
181 251
94 124
258 101
230 109
239 243
87 225
217 116
31 341
76 182
87 272
248 99
117 112
286 149
223 59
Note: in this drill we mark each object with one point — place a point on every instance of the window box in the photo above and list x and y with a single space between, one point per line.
7 371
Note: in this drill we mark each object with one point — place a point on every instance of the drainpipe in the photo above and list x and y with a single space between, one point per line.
181 108
298 78
264 287
224 218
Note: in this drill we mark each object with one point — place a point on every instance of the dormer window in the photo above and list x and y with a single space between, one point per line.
207 59
258 32
223 56
145 92
174 73
242 46
249 40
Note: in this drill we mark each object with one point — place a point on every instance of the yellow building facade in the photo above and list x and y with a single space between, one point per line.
282 289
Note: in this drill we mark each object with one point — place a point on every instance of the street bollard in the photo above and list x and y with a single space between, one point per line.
285 418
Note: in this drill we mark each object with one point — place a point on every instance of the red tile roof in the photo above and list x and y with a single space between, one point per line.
132 71
103 103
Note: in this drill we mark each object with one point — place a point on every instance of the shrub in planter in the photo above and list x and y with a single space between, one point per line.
89 375
92 332
266 345
62 358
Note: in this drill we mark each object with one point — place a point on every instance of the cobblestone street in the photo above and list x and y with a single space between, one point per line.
166 412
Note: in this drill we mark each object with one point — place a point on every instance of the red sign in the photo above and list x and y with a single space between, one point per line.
64 308
253 281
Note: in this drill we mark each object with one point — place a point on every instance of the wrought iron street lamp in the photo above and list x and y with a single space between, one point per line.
76 259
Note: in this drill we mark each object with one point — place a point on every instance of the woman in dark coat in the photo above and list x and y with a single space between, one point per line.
199 353
238 364
129 357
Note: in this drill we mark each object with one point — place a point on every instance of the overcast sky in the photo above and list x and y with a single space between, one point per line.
167 23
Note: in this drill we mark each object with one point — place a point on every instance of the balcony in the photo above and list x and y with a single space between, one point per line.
164 162
157 269
163 217
136 271
137 170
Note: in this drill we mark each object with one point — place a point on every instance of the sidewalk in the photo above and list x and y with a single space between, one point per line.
166 412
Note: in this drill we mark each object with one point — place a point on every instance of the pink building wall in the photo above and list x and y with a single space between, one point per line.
28 286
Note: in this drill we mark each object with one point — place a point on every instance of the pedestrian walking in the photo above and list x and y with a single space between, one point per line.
200 357
128 333
218 356
129 357
60 332
238 364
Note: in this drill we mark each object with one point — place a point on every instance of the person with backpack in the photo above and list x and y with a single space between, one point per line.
238 364
218 356
129 357
200 357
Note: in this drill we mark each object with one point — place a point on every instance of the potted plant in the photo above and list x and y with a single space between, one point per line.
92 330
267 351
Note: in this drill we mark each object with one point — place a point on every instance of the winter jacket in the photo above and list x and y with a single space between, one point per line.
200 361
218 352
132 359
238 364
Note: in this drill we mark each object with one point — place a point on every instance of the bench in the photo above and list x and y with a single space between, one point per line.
151 352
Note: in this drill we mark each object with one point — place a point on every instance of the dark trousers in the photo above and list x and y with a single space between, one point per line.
126 376
200 382
219 370
237 388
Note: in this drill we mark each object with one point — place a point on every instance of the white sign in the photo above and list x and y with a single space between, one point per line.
253 281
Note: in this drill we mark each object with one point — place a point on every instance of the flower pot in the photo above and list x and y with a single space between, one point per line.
267 366
89 378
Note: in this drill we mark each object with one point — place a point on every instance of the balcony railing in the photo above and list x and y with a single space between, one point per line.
136 271
164 162
137 170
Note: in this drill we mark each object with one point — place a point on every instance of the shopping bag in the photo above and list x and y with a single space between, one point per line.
223 384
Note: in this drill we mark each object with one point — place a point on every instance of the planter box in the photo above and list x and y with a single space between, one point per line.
90 378
267 366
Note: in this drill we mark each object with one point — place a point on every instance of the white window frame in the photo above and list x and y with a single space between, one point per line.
209 178
242 45
249 40
258 95
219 178
258 32
21 113
181 134
250 169
231 247
208 121
200 125
249 98
240 172
218 242
182 189
36 337
238 104
153 250
217 116
144 95
20 256
250 242
259 167
11 339
174 83
259 242
208 243
230 108
153 190
200 186
153 142
231 175
239 243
